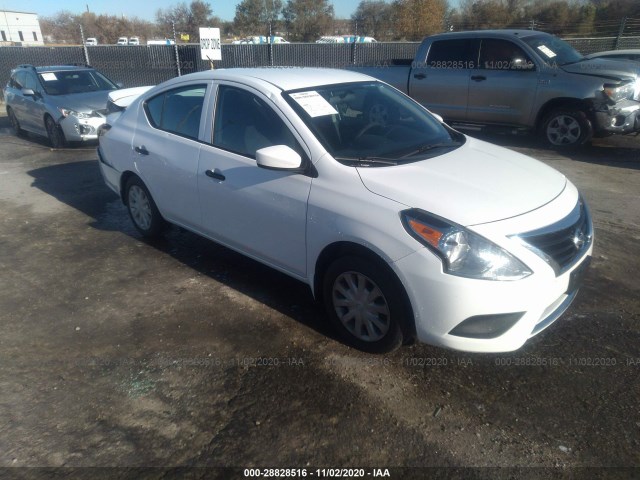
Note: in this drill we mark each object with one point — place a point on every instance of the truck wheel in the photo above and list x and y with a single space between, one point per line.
567 127
364 302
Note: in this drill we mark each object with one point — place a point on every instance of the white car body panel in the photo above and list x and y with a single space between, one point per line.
287 219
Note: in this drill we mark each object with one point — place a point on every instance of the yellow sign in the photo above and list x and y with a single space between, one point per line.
184 37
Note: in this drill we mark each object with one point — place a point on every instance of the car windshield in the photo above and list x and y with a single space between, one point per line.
553 50
371 124
67 82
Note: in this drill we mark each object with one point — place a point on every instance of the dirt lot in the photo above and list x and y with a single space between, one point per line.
116 352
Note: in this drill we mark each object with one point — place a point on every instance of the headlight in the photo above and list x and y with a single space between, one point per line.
619 92
67 112
463 253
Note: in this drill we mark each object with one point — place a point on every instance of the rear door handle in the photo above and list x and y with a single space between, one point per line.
216 175
478 78
419 76
141 150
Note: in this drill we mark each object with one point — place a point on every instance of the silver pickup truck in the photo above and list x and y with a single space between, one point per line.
518 80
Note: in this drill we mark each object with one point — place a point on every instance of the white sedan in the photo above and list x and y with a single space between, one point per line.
405 228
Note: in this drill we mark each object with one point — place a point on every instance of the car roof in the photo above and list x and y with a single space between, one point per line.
283 78
60 68
504 33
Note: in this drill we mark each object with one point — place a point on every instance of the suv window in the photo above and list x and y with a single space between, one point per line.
177 111
244 123
31 82
18 80
455 54
503 55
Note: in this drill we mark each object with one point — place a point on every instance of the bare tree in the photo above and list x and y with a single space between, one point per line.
254 16
414 19
373 18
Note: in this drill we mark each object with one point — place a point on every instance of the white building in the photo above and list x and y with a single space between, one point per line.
20 28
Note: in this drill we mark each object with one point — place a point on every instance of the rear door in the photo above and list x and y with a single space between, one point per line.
503 89
166 148
441 80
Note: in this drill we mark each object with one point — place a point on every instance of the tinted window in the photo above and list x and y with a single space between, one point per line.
503 55
178 111
31 82
18 79
461 53
244 123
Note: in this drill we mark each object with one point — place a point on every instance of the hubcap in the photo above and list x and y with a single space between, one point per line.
563 130
140 207
361 306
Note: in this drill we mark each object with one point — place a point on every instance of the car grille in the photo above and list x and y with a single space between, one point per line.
564 242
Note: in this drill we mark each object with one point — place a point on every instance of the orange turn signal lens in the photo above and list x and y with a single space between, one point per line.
429 234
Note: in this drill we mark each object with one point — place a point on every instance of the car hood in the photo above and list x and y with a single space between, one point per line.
603 67
474 184
82 102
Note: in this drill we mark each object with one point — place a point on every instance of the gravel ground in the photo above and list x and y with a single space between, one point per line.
118 352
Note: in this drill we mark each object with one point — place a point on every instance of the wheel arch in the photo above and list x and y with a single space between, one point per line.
124 178
563 102
342 249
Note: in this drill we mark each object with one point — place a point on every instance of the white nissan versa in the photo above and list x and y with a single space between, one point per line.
405 228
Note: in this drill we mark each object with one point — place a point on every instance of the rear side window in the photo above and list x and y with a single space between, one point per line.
453 54
177 111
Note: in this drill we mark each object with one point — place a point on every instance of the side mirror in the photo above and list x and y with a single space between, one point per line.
28 92
278 157
119 84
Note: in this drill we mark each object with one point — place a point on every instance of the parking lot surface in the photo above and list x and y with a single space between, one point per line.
119 352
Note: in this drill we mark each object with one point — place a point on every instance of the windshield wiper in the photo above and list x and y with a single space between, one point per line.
366 161
430 146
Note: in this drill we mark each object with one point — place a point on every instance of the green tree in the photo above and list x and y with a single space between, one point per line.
307 20
374 19
187 19
254 16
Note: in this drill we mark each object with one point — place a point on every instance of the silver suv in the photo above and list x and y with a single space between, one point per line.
63 103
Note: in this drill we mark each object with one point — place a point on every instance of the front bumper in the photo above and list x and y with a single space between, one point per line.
444 303
81 129
622 118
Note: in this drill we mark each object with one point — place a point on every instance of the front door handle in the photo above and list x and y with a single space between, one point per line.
216 175
478 78
419 76
141 150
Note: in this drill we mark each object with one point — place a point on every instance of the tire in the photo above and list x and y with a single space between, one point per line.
15 124
54 133
374 326
143 210
566 128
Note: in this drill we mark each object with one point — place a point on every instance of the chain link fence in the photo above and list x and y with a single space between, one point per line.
152 64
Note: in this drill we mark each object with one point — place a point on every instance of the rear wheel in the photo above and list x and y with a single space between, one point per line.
15 124
142 209
566 128
54 133
365 303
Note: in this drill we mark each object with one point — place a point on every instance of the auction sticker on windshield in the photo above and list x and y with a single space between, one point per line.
547 51
314 104
49 77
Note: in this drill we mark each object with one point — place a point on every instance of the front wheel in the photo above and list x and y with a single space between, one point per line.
54 133
567 128
142 209
365 303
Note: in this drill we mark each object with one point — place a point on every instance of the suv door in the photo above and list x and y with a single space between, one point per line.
260 212
441 80
503 89
15 100
34 106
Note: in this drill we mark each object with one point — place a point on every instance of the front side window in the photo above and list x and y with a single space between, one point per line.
453 54
177 111
66 82
31 82
371 121
244 123
18 80
503 55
